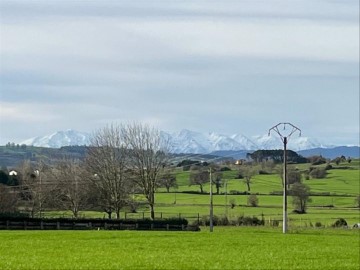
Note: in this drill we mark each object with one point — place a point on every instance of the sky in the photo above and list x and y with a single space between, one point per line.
208 66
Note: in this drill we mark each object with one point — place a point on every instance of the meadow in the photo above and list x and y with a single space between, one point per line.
342 186
225 248
304 247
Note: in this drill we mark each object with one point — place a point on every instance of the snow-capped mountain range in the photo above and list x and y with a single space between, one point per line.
187 141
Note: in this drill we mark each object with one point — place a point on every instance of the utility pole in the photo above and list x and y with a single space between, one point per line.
285 136
211 205
226 200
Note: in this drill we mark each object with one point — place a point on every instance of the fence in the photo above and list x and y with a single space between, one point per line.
94 224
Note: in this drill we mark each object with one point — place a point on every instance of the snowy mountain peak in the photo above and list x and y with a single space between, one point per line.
187 141
59 139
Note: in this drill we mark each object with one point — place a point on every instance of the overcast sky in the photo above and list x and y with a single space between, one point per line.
222 66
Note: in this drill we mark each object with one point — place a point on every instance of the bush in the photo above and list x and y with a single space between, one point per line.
328 167
357 201
232 203
340 223
249 221
253 200
205 220
318 173
263 172
224 169
317 160
274 223
318 225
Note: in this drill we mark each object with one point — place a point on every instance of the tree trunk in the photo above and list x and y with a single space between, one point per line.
201 189
118 213
152 212
248 186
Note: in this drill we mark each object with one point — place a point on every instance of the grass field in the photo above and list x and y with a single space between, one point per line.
342 184
225 248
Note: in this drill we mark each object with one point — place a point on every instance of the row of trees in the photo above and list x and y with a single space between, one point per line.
122 160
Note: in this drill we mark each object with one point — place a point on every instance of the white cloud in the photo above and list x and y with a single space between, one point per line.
201 65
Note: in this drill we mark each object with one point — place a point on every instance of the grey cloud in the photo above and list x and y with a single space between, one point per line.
308 10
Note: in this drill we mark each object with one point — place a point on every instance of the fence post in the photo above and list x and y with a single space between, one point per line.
58 225
167 227
24 225
7 224
41 225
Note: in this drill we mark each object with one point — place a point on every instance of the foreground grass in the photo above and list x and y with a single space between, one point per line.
225 248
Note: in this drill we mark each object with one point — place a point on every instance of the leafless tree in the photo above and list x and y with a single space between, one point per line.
199 177
71 185
148 152
168 180
248 172
34 184
8 199
106 161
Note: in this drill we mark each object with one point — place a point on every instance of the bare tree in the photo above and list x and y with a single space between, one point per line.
106 162
199 178
148 152
72 189
8 199
35 188
248 173
168 180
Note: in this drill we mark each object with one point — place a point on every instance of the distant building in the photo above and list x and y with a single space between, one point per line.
13 173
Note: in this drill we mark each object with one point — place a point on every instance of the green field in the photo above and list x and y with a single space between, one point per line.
343 185
225 248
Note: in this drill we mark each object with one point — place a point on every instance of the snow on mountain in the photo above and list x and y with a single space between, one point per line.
294 143
187 141
59 139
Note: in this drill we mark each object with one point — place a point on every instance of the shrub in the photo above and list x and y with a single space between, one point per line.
328 167
224 221
340 223
318 173
263 172
224 169
274 223
318 225
249 221
317 160
205 220
253 200
232 203
357 201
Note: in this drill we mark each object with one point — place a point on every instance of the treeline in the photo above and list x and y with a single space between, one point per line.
122 160
277 156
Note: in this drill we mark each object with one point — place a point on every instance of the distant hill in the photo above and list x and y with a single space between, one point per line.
347 151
